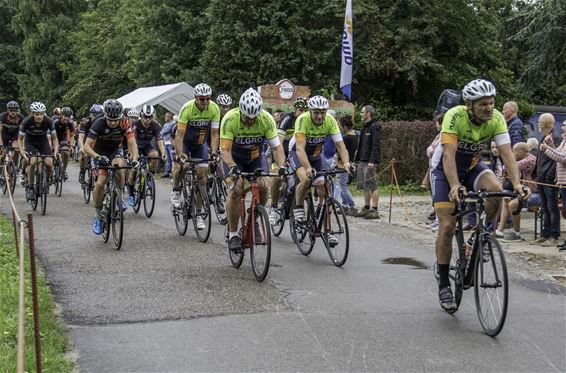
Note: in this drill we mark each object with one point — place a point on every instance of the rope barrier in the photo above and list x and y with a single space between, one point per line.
21 297
23 224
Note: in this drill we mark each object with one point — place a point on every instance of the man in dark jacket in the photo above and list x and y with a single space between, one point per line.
368 156
545 172
514 123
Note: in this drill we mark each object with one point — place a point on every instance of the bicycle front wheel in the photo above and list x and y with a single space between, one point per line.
58 178
303 234
149 195
88 185
335 232
43 190
260 248
138 192
219 193
200 216
107 216
491 287
117 219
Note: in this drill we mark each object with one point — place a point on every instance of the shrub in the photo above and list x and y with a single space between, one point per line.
407 143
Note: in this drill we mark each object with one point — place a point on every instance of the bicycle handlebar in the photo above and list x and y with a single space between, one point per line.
470 196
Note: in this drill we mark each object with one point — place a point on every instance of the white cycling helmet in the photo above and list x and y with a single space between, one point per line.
37 107
202 89
147 110
224 100
318 102
250 103
477 89
133 113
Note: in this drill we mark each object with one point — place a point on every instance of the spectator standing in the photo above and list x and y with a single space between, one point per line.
514 123
546 173
167 141
341 186
526 163
558 155
368 155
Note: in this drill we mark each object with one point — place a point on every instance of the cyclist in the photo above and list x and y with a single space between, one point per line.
196 118
34 132
244 131
10 121
104 144
145 130
286 130
96 111
311 130
456 166
56 113
65 129
224 103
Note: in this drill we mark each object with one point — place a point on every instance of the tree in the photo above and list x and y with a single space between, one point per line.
44 27
10 55
541 44
254 42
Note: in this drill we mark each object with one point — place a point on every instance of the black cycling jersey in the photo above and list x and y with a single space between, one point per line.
85 126
286 128
34 132
63 129
9 125
144 135
107 138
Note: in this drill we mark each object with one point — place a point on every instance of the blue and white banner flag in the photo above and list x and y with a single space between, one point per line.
347 53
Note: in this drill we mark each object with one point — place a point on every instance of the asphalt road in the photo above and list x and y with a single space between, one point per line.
166 303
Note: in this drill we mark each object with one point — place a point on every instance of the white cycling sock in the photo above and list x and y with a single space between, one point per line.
233 234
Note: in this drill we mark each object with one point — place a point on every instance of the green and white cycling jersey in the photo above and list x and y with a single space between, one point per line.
197 122
314 135
470 138
248 141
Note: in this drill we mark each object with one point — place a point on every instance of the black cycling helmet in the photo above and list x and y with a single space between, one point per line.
67 111
300 102
113 109
12 105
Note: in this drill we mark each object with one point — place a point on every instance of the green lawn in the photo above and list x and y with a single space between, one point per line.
54 341
408 189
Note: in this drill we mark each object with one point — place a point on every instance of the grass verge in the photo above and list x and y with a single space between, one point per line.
54 341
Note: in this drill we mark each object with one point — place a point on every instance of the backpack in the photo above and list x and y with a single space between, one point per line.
447 100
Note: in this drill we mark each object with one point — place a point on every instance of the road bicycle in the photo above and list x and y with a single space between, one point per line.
58 176
480 262
192 194
254 228
218 192
284 209
144 186
112 206
41 184
89 180
11 171
328 222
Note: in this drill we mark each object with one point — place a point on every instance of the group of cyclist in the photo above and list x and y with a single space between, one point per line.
237 139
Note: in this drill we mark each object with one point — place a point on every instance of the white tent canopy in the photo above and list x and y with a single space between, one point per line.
171 96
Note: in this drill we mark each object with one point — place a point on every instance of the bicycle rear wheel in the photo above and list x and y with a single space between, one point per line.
117 218
219 193
335 233
236 258
303 234
277 228
260 248
203 213
149 195
491 288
